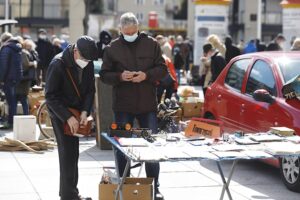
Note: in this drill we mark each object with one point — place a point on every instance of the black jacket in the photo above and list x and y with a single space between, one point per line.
273 46
46 52
11 62
59 91
145 55
231 52
217 65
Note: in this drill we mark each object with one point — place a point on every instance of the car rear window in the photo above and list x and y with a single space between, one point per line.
236 73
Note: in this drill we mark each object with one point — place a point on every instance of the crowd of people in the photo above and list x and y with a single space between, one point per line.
23 64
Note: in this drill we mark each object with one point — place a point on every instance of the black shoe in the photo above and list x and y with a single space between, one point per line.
158 195
84 198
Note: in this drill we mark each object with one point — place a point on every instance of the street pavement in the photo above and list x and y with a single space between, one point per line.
29 176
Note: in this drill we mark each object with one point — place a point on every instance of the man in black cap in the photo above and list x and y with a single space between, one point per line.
61 95
277 44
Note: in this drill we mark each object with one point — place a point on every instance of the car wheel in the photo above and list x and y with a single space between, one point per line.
290 172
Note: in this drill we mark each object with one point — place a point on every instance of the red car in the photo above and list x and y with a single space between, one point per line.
247 96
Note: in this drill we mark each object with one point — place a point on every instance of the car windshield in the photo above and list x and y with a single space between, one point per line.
290 68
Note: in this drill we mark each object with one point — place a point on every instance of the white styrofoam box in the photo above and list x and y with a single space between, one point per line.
24 128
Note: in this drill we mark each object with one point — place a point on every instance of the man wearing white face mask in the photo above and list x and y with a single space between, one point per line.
133 64
76 62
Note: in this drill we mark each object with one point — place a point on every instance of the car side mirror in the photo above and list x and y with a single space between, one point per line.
263 95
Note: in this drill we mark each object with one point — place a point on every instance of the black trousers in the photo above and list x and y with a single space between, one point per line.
68 152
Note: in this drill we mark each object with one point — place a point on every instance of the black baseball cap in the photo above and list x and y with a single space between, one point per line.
87 47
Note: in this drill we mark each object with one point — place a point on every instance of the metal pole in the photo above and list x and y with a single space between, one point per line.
258 20
6 14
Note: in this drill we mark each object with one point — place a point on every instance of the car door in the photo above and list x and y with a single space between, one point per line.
228 99
259 116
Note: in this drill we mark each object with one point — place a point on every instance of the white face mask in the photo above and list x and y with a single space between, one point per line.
130 38
43 37
81 63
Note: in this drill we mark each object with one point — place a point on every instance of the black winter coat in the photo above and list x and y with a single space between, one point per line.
11 62
46 52
145 55
60 93
273 46
218 63
231 52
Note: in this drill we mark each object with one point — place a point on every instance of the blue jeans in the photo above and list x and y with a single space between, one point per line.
24 101
147 120
10 95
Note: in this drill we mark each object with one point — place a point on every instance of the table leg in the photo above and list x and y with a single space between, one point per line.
226 183
122 181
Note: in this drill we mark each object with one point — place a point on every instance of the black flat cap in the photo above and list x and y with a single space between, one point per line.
87 47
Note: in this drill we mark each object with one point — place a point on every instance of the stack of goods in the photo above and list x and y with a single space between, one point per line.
191 102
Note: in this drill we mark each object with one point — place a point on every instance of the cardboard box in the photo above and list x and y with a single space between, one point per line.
133 189
192 109
203 127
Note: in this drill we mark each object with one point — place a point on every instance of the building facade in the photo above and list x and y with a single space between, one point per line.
243 19
31 15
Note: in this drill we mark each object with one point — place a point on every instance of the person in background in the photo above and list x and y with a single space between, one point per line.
30 46
241 45
217 62
104 40
178 61
56 46
60 95
215 41
190 55
205 72
11 72
171 41
29 65
184 52
260 46
250 47
64 41
277 44
46 53
231 50
133 64
168 84
164 45
296 45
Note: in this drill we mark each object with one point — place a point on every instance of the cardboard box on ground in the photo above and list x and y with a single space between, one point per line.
133 189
